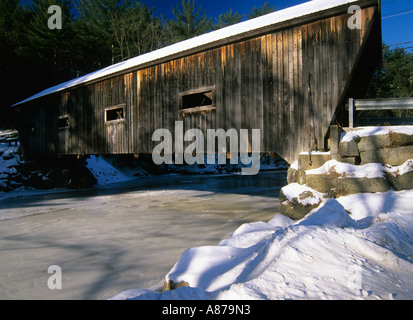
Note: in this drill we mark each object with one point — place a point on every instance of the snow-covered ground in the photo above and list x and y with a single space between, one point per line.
105 173
356 247
10 177
109 170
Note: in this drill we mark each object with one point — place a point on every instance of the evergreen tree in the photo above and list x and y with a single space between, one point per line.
260 11
135 29
13 50
395 77
189 23
398 67
111 31
11 29
51 49
94 33
147 31
227 19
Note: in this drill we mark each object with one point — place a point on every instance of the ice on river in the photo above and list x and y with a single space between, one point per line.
122 236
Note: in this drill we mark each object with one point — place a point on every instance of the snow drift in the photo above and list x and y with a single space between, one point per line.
355 247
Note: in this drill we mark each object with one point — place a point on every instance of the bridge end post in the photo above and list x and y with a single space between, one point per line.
335 135
351 113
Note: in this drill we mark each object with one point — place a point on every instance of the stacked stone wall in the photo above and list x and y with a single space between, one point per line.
356 163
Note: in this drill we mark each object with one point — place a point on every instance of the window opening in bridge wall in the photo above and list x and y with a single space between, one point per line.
197 100
63 122
116 113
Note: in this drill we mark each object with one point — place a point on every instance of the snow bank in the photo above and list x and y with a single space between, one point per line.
105 173
355 247
294 165
113 170
377 130
370 170
10 176
9 159
329 214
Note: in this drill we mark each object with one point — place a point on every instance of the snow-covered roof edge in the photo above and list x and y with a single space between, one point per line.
276 17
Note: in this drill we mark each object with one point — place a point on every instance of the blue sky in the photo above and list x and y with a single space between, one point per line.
396 29
397 14
398 22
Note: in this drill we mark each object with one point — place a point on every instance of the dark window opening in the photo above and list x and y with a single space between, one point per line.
63 122
114 114
194 100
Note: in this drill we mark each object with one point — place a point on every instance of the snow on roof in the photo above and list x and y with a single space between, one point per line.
208 38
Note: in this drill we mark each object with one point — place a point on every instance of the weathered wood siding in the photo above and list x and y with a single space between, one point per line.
37 128
262 83
89 132
288 83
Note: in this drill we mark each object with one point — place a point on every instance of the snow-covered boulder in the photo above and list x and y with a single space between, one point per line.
401 177
10 175
385 145
337 178
296 200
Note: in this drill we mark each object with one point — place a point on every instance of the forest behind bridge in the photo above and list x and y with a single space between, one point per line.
98 33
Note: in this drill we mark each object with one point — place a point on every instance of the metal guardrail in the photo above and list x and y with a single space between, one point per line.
377 104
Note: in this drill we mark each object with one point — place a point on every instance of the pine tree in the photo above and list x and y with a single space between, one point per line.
113 31
13 50
260 11
394 78
94 33
136 30
227 19
189 23
11 28
51 48
147 32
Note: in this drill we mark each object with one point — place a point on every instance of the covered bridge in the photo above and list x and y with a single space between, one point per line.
287 73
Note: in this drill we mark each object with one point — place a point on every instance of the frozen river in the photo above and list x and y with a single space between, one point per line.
124 236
